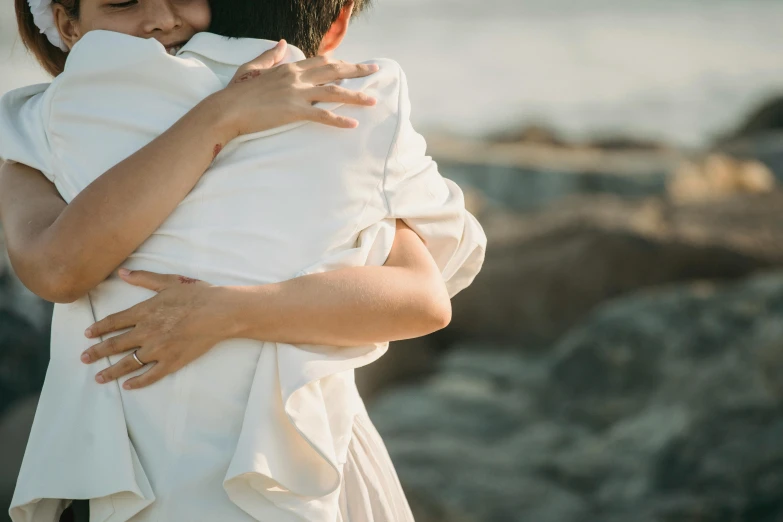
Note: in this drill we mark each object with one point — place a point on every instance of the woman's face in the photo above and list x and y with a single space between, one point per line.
171 22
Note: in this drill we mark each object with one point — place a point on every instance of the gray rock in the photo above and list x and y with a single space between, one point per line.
24 357
731 462
664 406
15 427
546 271
697 345
763 145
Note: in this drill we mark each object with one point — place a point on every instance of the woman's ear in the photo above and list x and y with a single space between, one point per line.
334 37
67 26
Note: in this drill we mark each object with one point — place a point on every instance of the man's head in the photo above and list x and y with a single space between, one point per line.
314 26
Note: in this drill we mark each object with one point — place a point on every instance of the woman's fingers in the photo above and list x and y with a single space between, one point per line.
310 63
151 376
149 280
114 322
334 93
267 60
318 115
270 58
113 346
126 365
335 71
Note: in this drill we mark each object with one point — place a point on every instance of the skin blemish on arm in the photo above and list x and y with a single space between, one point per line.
187 280
216 150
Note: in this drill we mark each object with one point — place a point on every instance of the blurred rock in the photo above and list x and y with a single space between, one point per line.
528 176
16 297
545 271
15 426
767 117
531 134
657 408
729 466
766 147
536 134
760 137
405 361
719 176
24 357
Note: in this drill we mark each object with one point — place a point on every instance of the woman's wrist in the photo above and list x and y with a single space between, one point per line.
240 310
220 119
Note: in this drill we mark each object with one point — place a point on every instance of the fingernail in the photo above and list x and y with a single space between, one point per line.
375 67
88 332
100 379
85 357
126 386
124 271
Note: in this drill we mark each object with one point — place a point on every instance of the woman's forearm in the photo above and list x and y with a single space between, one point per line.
108 220
347 307
403 299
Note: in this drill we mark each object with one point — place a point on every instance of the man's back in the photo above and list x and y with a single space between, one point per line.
272 204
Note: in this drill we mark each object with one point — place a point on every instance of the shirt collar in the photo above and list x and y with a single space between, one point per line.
234 51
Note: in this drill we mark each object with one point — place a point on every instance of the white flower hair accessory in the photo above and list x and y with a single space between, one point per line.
43 16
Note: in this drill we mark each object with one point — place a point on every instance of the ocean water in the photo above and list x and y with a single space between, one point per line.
672 70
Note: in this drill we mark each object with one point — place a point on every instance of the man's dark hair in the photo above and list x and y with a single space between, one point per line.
302 23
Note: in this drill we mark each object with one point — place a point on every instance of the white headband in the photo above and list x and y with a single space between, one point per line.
43 16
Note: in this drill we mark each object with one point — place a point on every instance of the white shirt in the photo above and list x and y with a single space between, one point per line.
299 199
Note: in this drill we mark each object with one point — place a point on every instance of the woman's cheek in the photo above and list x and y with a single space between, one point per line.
198 14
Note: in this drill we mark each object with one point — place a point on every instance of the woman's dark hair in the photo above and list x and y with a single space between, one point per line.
52 58
302 23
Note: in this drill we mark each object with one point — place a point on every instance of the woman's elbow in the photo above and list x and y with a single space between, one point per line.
54 284
437 315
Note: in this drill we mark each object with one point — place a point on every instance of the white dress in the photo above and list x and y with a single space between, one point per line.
252 430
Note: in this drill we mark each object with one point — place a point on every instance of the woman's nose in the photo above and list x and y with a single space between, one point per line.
161 16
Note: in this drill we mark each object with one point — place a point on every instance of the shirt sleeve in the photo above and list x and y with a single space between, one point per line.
23 128
434 207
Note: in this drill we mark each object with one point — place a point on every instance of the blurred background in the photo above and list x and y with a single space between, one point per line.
620 357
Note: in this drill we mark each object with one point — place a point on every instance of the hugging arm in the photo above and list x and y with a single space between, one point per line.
60 251
347 307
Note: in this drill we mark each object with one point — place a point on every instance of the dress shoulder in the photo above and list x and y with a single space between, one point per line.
23 128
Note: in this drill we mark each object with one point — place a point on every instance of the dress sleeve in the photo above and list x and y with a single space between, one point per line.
23 128
434 207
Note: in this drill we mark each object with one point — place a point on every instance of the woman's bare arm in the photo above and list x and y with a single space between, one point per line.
403 299
62 251
349 307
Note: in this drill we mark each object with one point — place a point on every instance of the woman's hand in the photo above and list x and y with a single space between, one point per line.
171 329
265 94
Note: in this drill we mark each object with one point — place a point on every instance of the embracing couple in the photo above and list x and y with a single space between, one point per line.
275 221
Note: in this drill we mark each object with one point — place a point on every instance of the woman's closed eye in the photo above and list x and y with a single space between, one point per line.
123 4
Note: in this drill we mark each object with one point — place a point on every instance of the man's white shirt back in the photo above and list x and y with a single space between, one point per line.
294 200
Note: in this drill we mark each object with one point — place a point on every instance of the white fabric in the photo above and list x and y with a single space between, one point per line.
43 16
251 430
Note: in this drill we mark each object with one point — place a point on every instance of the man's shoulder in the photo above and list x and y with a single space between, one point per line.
386 85
105 53
98 50
107 67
